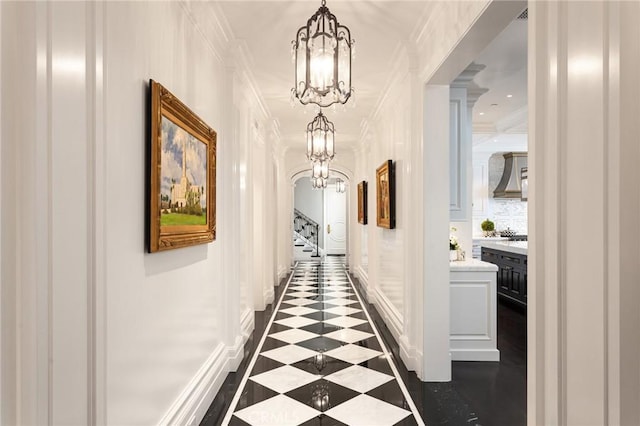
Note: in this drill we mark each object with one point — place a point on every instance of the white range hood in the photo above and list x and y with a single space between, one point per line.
510 185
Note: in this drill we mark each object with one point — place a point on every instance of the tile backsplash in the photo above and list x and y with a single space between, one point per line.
504 212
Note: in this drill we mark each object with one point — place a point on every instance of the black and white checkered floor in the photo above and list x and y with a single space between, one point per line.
321 360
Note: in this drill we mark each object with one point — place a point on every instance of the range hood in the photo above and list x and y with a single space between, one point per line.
510 185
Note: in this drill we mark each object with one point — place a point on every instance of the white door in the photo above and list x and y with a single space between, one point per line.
335 219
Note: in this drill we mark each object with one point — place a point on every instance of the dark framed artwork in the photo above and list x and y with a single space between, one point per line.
182 175
362 202
386 196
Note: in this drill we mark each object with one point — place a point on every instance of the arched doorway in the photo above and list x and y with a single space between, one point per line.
320 216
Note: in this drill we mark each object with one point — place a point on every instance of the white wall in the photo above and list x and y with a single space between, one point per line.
388 139
133 338
584 205
405 271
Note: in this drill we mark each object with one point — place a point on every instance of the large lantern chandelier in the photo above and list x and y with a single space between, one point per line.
320 139
322 53
340 186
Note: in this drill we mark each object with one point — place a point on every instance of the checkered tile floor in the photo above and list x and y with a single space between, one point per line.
321 361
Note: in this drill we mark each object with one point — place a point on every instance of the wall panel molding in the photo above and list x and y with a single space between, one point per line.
581 299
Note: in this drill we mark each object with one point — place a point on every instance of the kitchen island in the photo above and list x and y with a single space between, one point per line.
473 319
511 259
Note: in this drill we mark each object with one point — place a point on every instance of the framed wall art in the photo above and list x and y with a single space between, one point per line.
386 196
182 175
362 202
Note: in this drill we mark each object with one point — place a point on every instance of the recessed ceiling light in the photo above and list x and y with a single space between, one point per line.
482 113
509 96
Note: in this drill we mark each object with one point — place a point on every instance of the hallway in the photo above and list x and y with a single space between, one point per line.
101 327
476 395
322 360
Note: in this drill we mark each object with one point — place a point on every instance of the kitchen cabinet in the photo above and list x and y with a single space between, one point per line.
479 241
473 321
512 273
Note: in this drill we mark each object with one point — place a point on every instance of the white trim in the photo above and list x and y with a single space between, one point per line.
363 277
235 354
194 401
409 354
247 323
268 295
475 355
282 273
389 313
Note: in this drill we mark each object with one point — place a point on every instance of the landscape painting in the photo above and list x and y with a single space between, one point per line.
385 196
362 202
183 200
182 175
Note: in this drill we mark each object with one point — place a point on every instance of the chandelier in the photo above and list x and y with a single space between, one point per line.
318 183
320 139
340 185
322 53
320 169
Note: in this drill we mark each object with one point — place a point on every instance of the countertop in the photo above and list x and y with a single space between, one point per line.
518 247
472 265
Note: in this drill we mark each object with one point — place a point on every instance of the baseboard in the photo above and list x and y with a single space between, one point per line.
236 352
282 273
247 323
363 277
268 295
475 355
389 313
194 401
408 354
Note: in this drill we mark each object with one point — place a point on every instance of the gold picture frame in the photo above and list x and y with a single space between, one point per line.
362 202
182 209
386 196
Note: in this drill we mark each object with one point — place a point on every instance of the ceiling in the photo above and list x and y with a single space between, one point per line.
267 29
503 108
379 29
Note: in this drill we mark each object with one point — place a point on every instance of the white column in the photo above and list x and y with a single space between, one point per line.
228 219
436 359
464 94
584 204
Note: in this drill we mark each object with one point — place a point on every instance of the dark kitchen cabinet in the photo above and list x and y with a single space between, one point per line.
512 273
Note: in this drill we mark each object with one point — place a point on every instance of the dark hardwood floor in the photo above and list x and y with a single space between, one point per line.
480 393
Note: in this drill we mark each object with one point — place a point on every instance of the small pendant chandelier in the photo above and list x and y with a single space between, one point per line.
318 183
322 53
320 139
320 169
340 185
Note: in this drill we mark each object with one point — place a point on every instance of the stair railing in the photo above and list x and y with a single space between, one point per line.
307 228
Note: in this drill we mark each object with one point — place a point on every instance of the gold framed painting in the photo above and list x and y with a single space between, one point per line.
182 175
362 202
386 196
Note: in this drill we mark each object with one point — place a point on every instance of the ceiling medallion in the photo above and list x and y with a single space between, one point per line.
322 53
